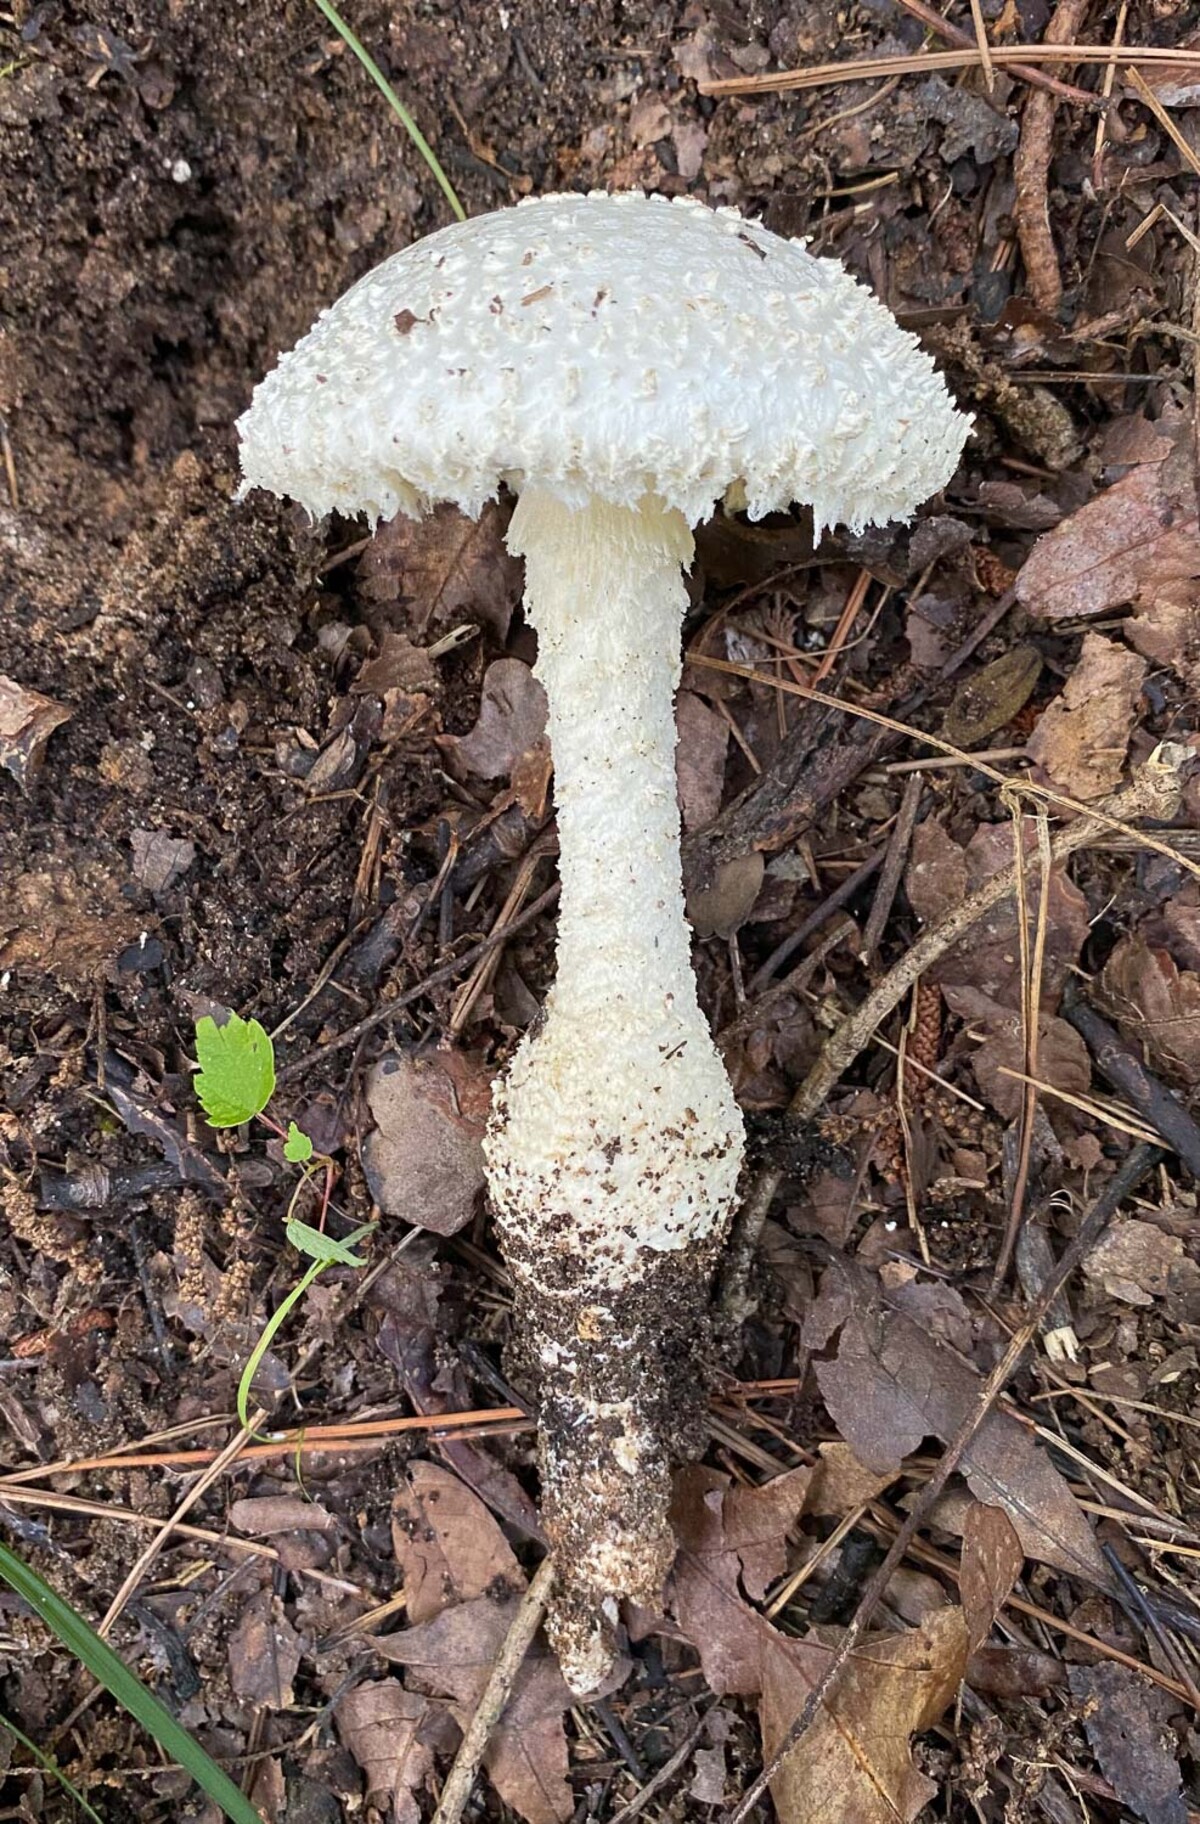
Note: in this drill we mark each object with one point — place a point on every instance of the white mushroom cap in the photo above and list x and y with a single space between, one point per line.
612 347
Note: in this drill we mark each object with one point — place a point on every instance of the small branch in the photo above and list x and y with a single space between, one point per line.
733 1300
1154 793
1031 173
499 934
1162 1110
495 1695
954 34
1142 1160
893 866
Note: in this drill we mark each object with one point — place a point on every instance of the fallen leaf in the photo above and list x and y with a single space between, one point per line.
27 721
1082 737
424 1158
400 666
830 1207
1135 543
452 1656
160 859
891 1384
992 696
1133 1261
1156 1005
699 759
263 1515
512 719
1125 1719
989 958
755 1523
381 1724
854 1766
447 1545
1014 1673
722 908
999 1062
842 1483
992 1560
708 1780
264 1654
442 566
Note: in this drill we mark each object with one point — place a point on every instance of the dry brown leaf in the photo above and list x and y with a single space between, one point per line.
398 666
939 876
1156 1005
1082 737
1135 543
854 1766
262 1515
992 1560
264 1654
1062 1057
424 1158
755 1523
1134 1261
891 1384
512 719
382 1725
159 859
992 696
447 1545
452 1656
444 567
27 721
699 759
842 1483
1126 1721
830 1207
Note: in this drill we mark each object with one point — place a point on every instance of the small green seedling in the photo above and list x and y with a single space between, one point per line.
234 1084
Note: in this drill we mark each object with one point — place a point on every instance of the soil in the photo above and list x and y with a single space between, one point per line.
233 817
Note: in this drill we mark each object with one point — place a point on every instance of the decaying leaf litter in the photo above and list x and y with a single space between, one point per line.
298 780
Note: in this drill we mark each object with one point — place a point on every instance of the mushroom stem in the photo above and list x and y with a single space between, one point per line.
616 1142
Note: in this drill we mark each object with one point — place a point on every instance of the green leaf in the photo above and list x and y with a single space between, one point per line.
99 1659
237 1070
297 1148
323 1247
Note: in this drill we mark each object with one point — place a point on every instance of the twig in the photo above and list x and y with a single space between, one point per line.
792 942
929 63
1031 1009
447 973
733 1300
1142 1160
954 34
1154 793
893 866
496 1693
1031 173
985 49
1164 1112
1106 89
662 1777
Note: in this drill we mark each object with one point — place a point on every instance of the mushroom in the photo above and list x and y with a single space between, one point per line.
622 363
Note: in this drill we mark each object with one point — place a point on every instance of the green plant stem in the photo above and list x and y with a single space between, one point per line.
112 1672
46 1761
394 102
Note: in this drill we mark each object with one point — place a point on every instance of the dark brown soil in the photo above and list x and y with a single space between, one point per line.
182 187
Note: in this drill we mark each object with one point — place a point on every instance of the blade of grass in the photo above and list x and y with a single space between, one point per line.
394 102
105 1666
49 1765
